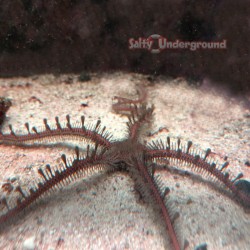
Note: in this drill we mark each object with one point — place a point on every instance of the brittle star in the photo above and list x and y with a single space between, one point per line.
138 159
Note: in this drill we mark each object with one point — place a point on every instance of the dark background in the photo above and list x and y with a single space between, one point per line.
66 36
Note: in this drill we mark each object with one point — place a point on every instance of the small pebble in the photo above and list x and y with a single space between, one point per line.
222 208
84 77
247 163
243 185
202 246
51 232
13 178
186 244
29 244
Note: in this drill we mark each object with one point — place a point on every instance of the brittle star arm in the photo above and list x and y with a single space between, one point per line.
50 179
94 134
183 155
158 193
137 119
136 110
125 104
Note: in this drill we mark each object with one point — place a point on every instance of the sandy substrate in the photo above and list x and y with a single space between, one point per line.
103 211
